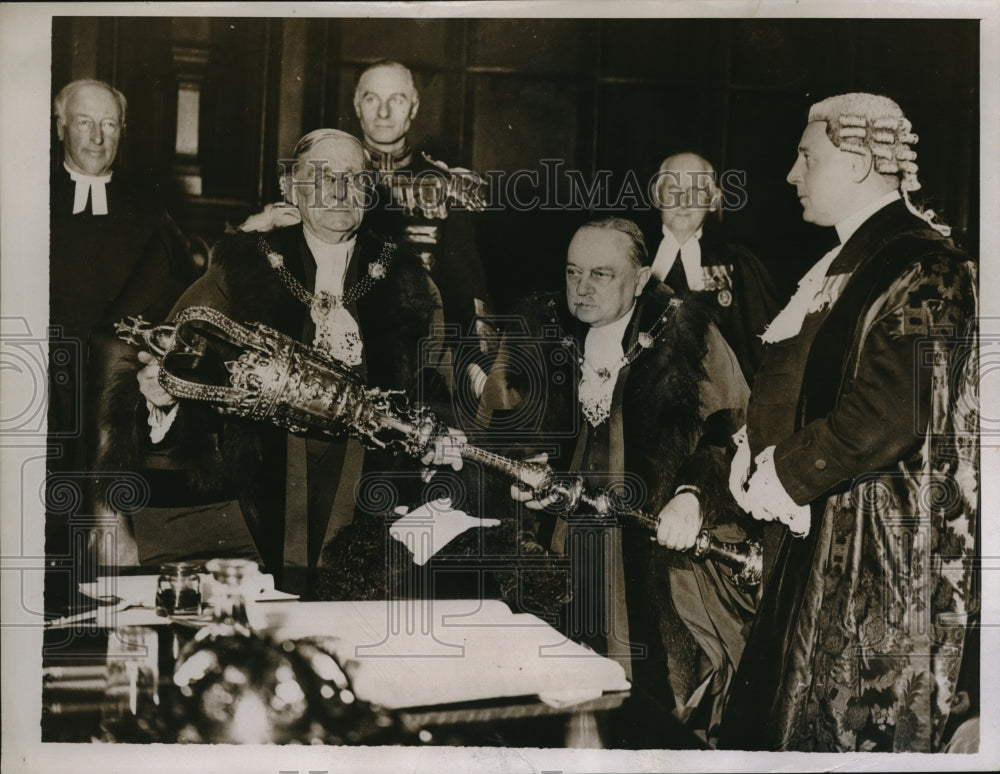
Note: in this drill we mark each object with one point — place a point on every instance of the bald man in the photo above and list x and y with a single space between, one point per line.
693 257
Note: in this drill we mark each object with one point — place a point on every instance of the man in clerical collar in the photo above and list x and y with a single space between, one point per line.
114 251
90 119
863 413
693 257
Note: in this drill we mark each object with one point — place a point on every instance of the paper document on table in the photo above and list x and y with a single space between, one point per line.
412 653
429 528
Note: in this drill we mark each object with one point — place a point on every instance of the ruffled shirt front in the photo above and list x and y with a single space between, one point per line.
603 358
337 331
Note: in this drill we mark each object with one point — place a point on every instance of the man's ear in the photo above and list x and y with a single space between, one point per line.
715 202
357 106
641 279
415 106
289 191
61 128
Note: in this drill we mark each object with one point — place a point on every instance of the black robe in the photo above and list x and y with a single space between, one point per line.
741 292
210 459
132 261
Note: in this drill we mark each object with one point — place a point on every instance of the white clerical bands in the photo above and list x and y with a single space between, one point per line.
92 187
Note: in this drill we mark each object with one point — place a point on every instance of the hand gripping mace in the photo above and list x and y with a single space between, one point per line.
256 372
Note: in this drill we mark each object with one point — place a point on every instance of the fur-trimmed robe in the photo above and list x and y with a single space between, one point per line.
207 458
873 410
673 412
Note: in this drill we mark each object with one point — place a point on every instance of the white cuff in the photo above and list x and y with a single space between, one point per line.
739 468
767 499
160 421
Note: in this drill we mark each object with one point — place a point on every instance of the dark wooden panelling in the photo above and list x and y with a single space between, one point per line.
415 42
531 45
764 150
238 111
935 60
319 81
677 52
616 94
641 124
789 55
232 108
144 71
518 121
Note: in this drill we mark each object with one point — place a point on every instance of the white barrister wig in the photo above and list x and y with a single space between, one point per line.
872 124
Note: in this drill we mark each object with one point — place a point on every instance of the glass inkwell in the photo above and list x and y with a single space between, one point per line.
178 589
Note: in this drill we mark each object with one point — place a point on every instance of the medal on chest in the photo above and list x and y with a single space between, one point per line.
718 279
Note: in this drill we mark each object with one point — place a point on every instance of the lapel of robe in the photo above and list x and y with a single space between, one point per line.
835 334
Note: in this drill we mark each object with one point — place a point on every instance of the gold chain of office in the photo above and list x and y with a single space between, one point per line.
644 341
324 302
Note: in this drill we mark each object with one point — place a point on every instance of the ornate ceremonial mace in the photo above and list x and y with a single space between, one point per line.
256 372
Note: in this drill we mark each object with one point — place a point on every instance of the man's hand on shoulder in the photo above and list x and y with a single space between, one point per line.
274 215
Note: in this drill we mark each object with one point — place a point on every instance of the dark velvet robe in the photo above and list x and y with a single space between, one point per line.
742 295
873 409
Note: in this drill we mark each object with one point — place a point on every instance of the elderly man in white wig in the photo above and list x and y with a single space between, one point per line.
861 450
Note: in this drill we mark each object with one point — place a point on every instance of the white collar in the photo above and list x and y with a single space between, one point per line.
690 253
816 290
671 240
75 176
603 358
329 251
850 224
608 338
331 263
